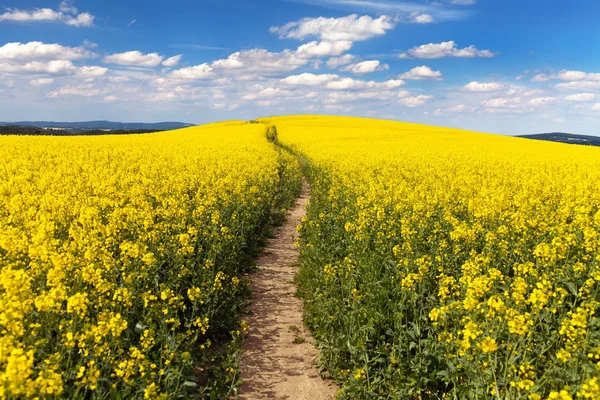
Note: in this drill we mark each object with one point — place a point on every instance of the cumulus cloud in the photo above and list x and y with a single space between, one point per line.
66 13
172 61
41 82
579 85
352 27
420 18
577 76
540 78
349 83
261 61
461 108
502 102
41 51
483 87
581 97
335 62
308 79
366 67
445 49
596 107
202 71
92 71
324 48
541 101
134 58
54 67
415 101
421 73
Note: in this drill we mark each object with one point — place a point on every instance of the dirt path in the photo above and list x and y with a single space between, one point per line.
275 364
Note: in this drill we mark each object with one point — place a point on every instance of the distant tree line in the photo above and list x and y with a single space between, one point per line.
36 131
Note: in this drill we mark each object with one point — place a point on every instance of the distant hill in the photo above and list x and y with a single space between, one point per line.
565 138
76 127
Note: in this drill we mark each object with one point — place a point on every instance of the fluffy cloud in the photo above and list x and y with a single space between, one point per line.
41 51
415 101
324 48
172 61
335 62
366 67
41 82
349 83
461 108
202 71
308 79
351 27
503 102
541 101
54 67
261 61
579 85
445 49
421 73
66 14
419 18
540 78
596 107
581 97
577 76
483 87
134 58
92 71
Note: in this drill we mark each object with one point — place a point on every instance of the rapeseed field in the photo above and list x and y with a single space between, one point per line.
440 263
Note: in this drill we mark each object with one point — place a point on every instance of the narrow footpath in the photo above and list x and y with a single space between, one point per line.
279 353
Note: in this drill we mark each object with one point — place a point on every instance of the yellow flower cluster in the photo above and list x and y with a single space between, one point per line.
119 256
477 259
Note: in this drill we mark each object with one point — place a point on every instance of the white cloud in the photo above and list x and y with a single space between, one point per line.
415 101
261 61
41 51
533 92
202 71
85 90
419 18
134 58
541 101
421 73
596 107
351 27
577 76
324 48
335 62
380 95
483 87
172 61
581 97
41 82
579 85
92 71
81 20
349 83
55 67
110 98
66 14
308 79
366 67
462 2
502 102
445 49
461 108
540 78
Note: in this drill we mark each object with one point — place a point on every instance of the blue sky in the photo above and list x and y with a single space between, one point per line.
502 66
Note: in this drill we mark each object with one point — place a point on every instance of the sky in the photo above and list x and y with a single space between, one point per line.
498 66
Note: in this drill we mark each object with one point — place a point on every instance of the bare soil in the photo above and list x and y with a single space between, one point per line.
279 353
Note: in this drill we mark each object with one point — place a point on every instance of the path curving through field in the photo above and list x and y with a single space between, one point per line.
279 354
